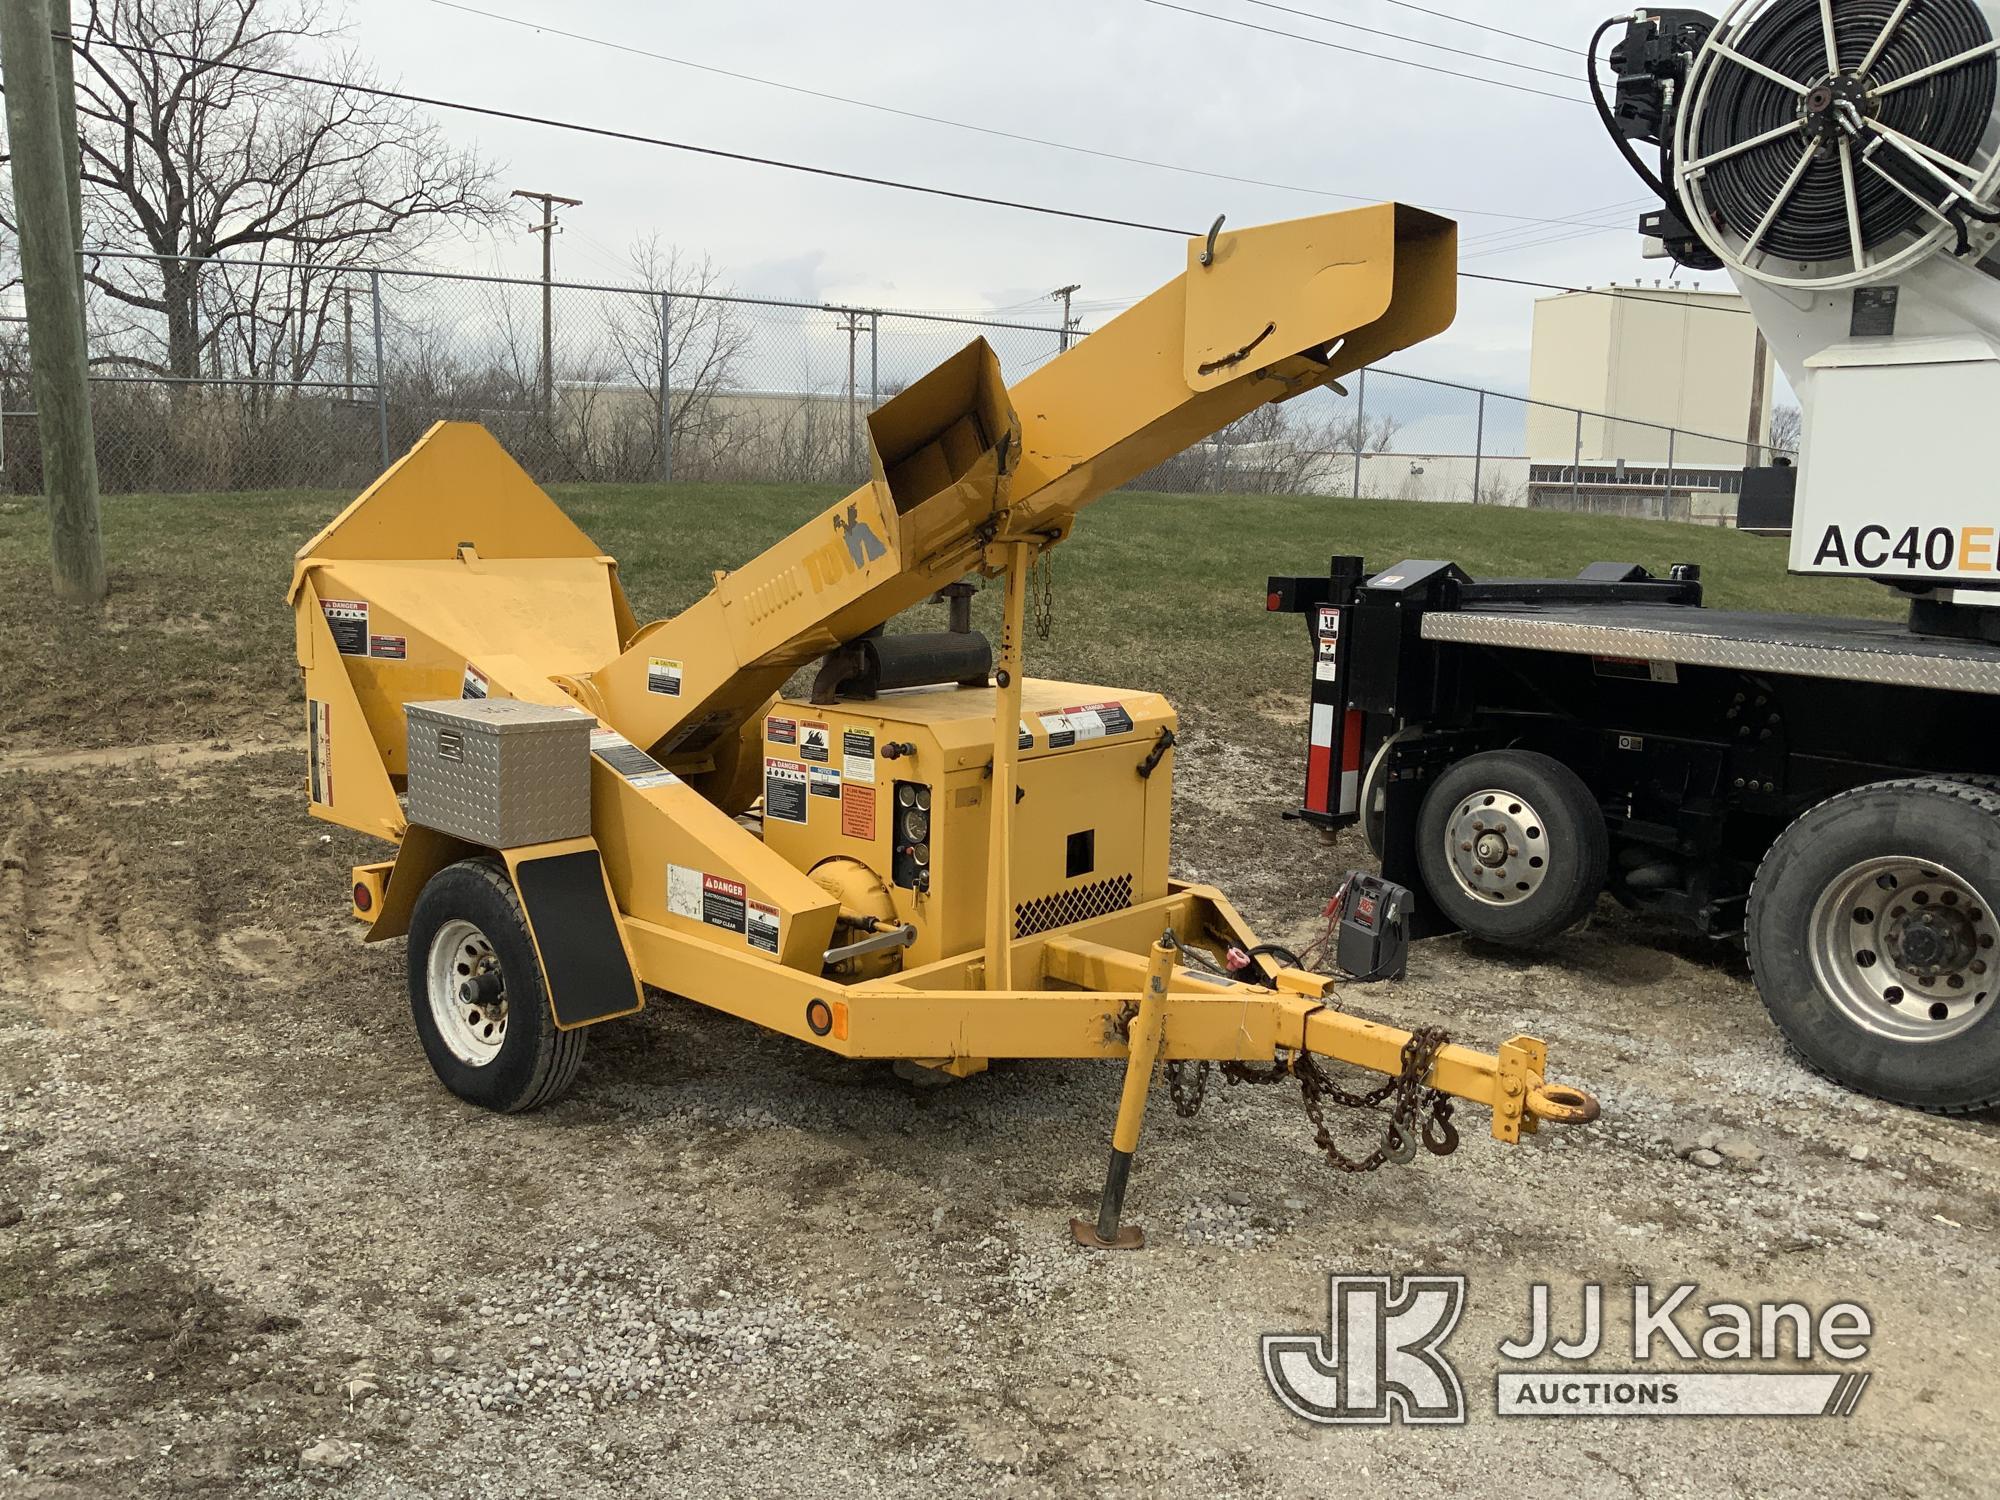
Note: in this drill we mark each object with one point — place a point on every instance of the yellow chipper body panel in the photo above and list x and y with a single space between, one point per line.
928 857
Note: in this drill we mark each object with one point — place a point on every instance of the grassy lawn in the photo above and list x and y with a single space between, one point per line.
1155 591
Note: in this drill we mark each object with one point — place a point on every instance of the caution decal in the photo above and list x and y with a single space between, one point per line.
663 675
319 751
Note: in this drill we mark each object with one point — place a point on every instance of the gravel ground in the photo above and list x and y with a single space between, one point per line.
248 1245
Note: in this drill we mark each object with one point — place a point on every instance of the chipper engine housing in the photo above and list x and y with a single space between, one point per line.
929 857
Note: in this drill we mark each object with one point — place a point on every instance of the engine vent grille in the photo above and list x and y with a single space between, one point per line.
1077 904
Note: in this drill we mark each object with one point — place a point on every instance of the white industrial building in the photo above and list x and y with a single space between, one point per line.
1682 383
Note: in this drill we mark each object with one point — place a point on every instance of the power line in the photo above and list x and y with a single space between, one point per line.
988 130
607 133
1498 83
1481 26
1398 36
1598 291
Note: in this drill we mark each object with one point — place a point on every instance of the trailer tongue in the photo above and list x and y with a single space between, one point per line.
923 859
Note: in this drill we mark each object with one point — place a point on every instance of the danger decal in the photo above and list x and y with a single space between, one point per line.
784 791
723 903
348 620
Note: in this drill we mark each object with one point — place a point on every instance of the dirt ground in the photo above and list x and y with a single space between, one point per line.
249 1246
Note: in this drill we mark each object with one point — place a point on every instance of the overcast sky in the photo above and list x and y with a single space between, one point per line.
1120 76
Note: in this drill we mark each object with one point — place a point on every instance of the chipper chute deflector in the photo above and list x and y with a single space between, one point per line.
928 858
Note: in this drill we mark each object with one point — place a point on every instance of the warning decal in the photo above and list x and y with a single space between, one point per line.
1091 721
1639 669
781 731
825 781
784 791
857 812
319 751
476 683
1027 736
813 740
722 903
388 647
762 929
348 620
684 891
857 755
1329 619
628 760
663 676
1326 666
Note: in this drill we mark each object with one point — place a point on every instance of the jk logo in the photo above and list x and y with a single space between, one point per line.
1379 1359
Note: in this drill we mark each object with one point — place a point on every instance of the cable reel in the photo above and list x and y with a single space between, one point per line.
1831 143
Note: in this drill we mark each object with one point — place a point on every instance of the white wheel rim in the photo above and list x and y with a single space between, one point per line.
1905 948
1497 846
473 1025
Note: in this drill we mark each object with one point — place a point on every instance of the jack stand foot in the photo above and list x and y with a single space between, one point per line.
1129 1236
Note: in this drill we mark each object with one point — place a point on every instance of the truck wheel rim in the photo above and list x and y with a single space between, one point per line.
1905 948
468 993
1497 846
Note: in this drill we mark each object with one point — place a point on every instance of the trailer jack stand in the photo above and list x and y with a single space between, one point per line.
1146 1033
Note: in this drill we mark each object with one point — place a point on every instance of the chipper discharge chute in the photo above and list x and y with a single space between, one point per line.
929 857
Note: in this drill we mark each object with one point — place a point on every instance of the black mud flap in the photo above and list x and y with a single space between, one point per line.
576 931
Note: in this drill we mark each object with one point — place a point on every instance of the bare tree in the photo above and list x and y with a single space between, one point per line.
1786 422
703 340
188 155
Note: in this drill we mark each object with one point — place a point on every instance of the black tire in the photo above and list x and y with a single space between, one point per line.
1553 858
532 1063
1937 1047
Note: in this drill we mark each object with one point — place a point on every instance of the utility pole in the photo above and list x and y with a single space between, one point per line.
547 230
1062 294
46 206
853 333
1759 356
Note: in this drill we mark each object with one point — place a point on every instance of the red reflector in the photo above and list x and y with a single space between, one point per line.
1273 602
363 897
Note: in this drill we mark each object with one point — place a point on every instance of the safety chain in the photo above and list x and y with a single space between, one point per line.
1042 592
1402 1132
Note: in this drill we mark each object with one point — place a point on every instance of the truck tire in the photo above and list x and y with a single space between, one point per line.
477 997
1512 846
1872 937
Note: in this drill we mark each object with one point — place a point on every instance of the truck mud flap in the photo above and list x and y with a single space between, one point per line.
577 933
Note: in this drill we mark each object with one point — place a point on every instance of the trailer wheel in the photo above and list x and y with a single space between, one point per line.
477 997
1875 943
1512 846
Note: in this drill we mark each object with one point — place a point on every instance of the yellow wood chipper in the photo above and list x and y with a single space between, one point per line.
929 857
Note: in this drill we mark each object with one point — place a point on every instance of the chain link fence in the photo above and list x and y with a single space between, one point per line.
233 375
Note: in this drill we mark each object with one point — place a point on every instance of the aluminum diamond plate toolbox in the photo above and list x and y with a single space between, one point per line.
498 771
1794 645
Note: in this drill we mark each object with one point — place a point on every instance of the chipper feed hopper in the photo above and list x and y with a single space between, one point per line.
929 857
